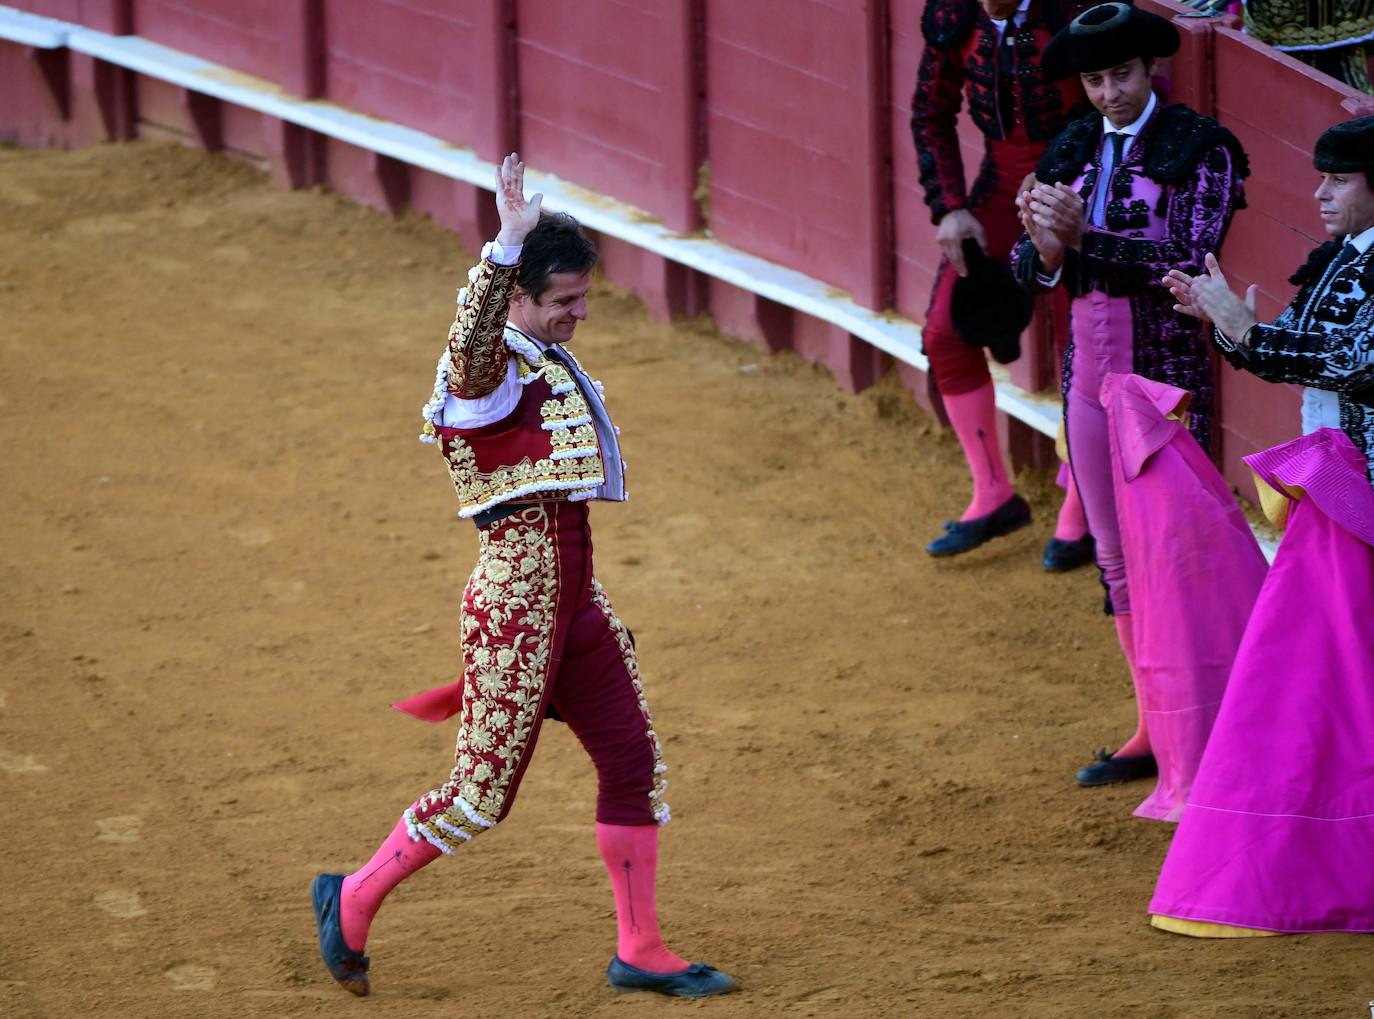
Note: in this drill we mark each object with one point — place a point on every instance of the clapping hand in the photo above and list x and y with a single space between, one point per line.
1209 298
518 216
1052 215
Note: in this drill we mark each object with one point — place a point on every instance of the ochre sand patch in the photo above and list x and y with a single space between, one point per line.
225 554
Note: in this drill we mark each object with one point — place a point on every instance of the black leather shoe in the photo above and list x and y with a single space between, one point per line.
1108 768
697 981
966 535
1062 556
346 966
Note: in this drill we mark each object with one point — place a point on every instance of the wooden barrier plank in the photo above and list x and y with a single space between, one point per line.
621 120
244 35
790 129
414 66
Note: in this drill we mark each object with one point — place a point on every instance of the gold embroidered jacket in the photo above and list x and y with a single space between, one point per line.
548 443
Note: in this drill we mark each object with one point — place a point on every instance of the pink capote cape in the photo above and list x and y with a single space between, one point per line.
1194 571
1279 831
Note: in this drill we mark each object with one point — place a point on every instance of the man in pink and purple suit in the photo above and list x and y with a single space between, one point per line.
1120 197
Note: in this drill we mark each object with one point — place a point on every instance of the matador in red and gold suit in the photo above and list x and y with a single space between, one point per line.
989 50
528 442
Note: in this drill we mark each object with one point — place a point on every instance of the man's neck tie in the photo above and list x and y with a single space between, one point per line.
1102 192
1006 79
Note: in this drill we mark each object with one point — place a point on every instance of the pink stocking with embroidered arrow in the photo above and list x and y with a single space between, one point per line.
631 856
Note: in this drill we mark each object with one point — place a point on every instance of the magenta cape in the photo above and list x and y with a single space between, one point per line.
1193 568
1279 832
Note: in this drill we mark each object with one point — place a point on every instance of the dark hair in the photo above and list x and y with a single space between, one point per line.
556 244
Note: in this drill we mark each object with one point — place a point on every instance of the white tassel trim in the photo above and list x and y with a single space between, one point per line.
467 512
523 347
565 387
417 833
452 829
582 496
471 814
431 410
568 454
553 426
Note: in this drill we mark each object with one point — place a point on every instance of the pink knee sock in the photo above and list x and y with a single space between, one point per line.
1072 524
974 417
631 856
1140 742
363 890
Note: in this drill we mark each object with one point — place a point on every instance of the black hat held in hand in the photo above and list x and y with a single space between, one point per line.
1105 36
989 308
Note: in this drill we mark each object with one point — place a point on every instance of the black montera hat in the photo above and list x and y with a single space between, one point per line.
989 308
1347 147
1107 35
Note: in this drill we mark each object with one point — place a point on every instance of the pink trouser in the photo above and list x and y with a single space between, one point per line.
1102 343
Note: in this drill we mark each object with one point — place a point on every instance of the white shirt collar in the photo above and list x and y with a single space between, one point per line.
1362 241
1133 128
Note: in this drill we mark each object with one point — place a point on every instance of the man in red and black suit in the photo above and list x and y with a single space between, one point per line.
991 51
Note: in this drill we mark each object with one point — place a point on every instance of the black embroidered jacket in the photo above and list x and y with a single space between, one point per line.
1324 339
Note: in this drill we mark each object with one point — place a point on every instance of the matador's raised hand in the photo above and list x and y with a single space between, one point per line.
518 216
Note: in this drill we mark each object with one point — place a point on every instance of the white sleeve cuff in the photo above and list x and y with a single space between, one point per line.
1222 341
500 254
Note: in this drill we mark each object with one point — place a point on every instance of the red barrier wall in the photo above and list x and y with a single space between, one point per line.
802 121
621 119
65 10
411 62
797 143
245 35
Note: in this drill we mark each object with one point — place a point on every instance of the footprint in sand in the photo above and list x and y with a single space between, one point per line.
125 905
288 591
20 763
191 977
251 537
123 828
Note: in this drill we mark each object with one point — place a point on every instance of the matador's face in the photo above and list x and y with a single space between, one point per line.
1120 93
563 304
1346 203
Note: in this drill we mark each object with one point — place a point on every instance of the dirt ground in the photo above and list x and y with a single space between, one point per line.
224 554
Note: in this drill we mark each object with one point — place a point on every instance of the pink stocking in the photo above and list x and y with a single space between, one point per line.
1140 742
363 890
1072 524
974 417
631 856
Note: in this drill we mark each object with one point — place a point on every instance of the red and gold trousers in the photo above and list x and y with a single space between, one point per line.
538 630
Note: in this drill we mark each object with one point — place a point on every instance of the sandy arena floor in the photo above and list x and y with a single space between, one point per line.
225 553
